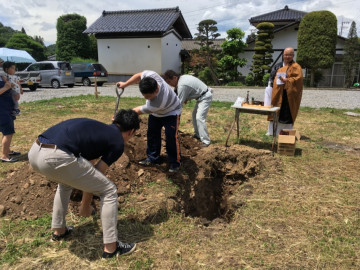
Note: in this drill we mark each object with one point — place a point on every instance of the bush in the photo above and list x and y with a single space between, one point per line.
82 60
249 80
205 76
265 79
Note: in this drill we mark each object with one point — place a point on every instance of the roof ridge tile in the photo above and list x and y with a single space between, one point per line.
139 11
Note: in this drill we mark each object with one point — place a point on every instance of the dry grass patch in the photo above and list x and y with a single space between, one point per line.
298 212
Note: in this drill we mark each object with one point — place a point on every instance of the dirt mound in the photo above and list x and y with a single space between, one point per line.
207 184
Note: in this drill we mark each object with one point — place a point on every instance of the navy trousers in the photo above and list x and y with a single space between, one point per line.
171 125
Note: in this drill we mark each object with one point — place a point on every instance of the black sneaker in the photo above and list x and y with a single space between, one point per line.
174 168
196 137
121 249
68 231
146 162
11 159
13 153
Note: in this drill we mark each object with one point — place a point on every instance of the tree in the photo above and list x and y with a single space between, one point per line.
21 41
50 50
39 39
23 30
93 52
195 63
231 47
207 33
71 42
317 41
5 34
262 57
351 55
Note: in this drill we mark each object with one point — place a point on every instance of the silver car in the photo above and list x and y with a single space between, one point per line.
54 73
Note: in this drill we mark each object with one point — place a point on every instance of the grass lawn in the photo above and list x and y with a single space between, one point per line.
304 216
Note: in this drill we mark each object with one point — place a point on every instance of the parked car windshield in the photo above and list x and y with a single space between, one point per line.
34 67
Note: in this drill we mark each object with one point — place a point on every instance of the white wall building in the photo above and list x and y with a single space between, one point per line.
136 40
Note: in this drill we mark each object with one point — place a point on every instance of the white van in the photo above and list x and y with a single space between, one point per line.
53 73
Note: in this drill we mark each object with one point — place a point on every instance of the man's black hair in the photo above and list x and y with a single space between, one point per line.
170 74
7 65
127 120
148 85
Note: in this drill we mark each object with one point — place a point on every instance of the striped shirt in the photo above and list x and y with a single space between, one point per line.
165 103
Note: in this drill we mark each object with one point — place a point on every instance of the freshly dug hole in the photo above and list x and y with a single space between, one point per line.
212 193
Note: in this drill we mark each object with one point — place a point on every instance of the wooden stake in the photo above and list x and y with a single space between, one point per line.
96 92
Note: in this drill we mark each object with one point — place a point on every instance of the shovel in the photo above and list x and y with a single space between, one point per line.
118 95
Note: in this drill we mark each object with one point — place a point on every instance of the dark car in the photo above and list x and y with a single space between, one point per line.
85 73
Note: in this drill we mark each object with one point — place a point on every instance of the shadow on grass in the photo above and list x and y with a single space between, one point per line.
256 144
265 146
87 240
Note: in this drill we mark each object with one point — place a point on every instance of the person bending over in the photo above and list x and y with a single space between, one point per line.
63 154
187 88
164 109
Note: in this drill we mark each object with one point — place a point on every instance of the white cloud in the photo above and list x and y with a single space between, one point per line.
39 17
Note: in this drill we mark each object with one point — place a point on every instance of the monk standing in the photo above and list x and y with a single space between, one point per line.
287 90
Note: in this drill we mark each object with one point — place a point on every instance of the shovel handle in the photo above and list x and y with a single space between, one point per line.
117 91
118 95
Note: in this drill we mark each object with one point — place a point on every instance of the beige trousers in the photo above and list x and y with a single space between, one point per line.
76 172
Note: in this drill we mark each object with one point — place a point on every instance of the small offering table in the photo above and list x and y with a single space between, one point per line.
254 109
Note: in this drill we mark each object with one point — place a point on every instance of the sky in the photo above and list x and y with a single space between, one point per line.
38 17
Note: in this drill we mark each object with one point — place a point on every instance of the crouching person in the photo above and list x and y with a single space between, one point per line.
63 154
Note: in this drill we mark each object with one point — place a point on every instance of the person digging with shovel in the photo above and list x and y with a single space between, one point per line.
164 109
63 154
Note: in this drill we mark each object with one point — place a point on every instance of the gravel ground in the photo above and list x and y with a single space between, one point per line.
314 98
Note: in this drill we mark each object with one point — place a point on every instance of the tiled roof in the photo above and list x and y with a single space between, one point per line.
283 15
189 44
140 21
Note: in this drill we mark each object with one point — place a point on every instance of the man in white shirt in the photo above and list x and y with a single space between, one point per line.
164 109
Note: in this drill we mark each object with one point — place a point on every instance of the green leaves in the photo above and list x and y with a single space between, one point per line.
263 49
317 40
231 47
21 41
71 42
351 55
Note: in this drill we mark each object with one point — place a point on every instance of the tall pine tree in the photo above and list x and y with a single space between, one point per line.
263 51
351 56
207 33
